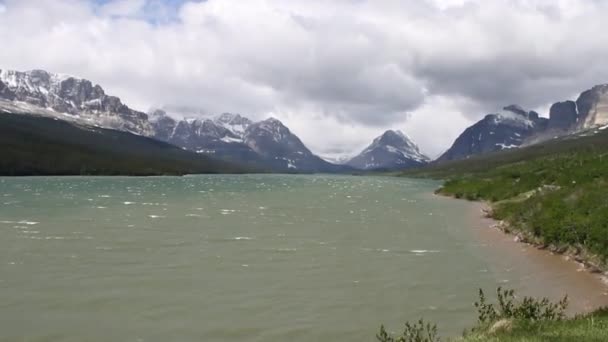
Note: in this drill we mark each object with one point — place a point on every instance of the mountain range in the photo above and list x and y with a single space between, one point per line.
514 127
266 145
34 145
270 145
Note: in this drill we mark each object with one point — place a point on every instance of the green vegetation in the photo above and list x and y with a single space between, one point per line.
552 194
34 145
528 309
510 319
418 332
588 328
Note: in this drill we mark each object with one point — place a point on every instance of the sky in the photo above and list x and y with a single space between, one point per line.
337 73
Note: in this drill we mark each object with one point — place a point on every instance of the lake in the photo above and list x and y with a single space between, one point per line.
251 258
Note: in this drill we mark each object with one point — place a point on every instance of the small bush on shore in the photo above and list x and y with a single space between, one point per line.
417 332
529 310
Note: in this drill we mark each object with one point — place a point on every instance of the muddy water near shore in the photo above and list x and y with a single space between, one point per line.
546 274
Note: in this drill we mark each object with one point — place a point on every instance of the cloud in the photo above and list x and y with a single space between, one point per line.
338 72
122 8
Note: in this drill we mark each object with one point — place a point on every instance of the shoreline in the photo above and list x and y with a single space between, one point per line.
569 253
586 288
579 256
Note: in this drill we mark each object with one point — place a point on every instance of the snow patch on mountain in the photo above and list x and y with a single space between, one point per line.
391 150
61 95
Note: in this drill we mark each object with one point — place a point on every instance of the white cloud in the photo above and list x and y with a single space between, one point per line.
122 8
337 72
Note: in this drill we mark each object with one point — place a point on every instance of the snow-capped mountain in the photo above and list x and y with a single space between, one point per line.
507 129
221 137
393 150
275 142
195 133
268 144
68 98
514 127
235 123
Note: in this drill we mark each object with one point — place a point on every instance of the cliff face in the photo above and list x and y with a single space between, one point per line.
78 98
563 116
593 107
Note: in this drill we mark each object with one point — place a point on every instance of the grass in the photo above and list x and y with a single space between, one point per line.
588 328
514 319
554 194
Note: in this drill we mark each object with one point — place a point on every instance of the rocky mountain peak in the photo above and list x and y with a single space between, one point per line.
270 127
395 138
229 118
235 123
510 128
56 94
392 150
593 107
563 116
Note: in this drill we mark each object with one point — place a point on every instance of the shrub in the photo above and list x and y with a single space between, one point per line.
418 332
528 308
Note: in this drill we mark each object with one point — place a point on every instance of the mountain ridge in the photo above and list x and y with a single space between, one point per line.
225 136
35 145
496 132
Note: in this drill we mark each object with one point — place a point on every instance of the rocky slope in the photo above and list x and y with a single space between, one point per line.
507 129
515 127
393 150
68 98
268 143
206 136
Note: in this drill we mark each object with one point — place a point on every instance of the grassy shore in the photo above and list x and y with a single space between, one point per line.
553 195
592 328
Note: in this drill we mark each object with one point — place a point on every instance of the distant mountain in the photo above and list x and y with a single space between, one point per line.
68 98
393 150
338 159
514 127
495 132
37 145
216 138
268 143
283 149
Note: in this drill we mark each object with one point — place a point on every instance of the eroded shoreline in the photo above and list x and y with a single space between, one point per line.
551 274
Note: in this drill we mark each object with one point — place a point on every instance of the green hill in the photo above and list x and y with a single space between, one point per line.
35 145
